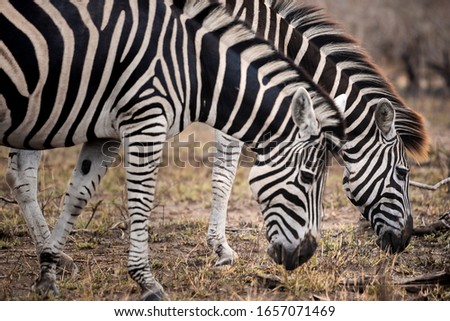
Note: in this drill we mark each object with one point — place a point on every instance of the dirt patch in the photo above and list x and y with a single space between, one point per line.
347 266
182 261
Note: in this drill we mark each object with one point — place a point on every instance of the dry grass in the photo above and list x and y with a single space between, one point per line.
183 263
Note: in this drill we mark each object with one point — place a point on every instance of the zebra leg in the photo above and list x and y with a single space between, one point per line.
143 154
223 173
92 164
21 177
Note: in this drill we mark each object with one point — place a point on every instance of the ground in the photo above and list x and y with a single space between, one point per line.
347 265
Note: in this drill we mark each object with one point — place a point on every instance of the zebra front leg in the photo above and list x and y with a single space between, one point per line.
93 161
143 153
223 173
21 177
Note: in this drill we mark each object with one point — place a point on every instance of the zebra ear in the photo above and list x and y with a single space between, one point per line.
340 102
303 113
385 118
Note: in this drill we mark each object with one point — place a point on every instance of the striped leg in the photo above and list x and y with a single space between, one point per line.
223 173
92 164
143 154
21 177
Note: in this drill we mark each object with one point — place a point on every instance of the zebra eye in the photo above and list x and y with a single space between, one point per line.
307 176
402 173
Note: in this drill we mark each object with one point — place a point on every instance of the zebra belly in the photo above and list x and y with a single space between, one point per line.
26 131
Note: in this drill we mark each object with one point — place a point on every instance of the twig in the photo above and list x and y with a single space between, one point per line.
268 281
442 278
94 209
430 187
445 219
122 226
238 230
320 298
8 200
441 225
430 279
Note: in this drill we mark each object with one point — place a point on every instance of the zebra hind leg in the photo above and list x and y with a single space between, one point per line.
21 177
93 161
226 160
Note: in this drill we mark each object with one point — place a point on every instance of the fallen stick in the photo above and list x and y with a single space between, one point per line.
442 278
424 280
430 187
441 225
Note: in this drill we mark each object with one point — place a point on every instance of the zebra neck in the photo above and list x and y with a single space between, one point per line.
255 116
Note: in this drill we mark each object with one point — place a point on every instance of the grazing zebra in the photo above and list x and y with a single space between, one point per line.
376 170
139 72
379 125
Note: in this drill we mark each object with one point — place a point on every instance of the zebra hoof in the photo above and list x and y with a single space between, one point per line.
224 261
154 293
45 287
227 259
158 295
67 265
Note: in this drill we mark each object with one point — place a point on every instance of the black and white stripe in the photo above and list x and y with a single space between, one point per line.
140 72
376 175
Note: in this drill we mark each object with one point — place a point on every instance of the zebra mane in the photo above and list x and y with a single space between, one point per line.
342 49
215 18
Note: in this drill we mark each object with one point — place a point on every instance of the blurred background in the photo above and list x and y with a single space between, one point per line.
409 39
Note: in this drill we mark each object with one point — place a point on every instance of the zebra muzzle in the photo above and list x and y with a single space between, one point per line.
395 241
290 255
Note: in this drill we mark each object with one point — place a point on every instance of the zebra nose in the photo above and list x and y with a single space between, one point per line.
393 242
292 256
389 242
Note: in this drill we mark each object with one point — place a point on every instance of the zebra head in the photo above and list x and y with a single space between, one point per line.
289 186
376 180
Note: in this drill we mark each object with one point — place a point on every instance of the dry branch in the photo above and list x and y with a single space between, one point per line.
442 278
441 225
414 283
430 187
8 200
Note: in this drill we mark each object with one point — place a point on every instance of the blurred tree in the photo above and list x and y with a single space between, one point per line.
410 34
442 69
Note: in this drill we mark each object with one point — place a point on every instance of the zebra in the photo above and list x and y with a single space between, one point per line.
140 72
379 125
335 61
